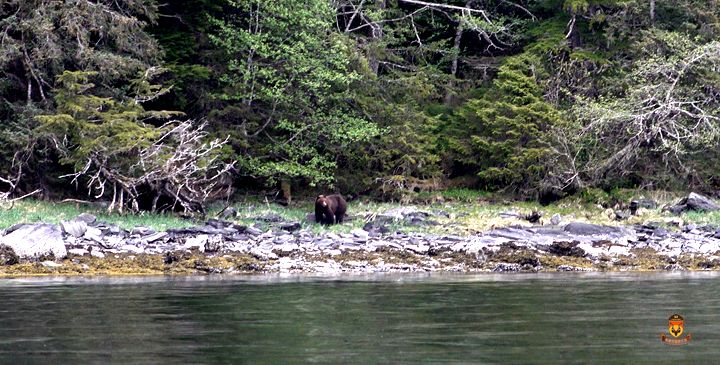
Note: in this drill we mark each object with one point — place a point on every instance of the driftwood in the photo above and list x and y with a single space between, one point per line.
180 165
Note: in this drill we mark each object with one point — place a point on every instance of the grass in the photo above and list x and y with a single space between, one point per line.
30 211
469 212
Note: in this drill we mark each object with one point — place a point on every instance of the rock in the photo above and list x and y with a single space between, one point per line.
271 218
142 231
86 217
398 213
51 264
156 236
674 267
98 254
621 215
555 219
646 203
695 202
228 212
218 223
569 268
213 243
360 233
78 251
253 231
291 227
642 203
566 249
198 242
375 226
131 248
674 221
8 256
32 241
74 228
587 229
506 267
689 227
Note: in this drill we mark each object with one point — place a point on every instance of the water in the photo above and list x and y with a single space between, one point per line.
392 319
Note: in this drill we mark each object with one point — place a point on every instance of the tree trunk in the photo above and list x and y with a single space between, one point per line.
456 48
652 11
377 36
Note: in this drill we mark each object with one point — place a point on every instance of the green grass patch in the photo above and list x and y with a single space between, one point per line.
31 211
712 218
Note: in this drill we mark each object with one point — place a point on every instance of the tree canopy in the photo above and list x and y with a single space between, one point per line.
386 96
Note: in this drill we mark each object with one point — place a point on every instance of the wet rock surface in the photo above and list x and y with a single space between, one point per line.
221 246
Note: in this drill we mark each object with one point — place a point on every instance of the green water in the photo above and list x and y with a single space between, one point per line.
386 319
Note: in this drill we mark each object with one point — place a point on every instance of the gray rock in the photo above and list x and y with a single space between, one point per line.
198 242
291 227
156 236
569 268
78 251
271 218
213 243
359 233
506 267
555 219
142 231
35 240
376 226
75 228
51 264
694 202
587 229
253 231
131 248
86 217
398 213
621 215
674 267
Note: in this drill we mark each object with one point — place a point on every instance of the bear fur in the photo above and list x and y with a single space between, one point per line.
330 209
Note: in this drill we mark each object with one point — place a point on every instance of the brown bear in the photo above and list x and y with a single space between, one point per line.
330 209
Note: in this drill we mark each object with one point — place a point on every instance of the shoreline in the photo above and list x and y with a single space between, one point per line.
84 246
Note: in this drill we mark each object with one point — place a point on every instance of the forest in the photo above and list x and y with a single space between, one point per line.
148 104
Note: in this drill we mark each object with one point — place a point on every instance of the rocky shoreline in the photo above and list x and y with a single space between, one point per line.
85 246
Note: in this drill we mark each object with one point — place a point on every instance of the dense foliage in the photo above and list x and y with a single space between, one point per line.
532 97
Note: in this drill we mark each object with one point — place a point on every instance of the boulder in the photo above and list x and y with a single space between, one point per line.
695 202
555 219
86 217
142 231
32 241
291 227
698 202
587 229
75 228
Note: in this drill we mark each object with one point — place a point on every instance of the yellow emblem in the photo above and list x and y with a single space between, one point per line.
676 323
676 327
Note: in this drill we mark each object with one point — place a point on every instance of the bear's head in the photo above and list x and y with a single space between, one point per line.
321 201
